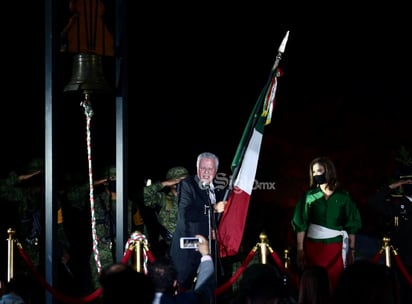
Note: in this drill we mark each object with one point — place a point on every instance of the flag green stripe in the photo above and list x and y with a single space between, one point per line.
247 133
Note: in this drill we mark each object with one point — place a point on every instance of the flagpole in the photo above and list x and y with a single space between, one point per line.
281 50
258 105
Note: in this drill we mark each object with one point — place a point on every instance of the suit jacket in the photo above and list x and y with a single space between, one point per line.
192 219
202 292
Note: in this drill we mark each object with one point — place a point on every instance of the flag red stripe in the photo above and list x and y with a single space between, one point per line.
230 235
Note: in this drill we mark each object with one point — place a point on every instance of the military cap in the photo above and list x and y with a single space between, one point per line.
109 171
176 172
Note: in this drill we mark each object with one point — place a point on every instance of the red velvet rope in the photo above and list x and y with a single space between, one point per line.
292 276
150 256
71 300
58 295
237 274
377 256
402 269
127 256
278 261
218 291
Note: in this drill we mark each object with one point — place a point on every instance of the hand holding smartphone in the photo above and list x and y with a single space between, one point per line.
189 242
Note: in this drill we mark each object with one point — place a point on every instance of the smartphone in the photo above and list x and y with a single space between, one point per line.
189 242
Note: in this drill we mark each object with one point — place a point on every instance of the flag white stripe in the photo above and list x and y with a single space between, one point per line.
247 173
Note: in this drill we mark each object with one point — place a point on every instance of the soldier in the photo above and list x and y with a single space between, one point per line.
25 195
392 206
27 191
105 219
162 197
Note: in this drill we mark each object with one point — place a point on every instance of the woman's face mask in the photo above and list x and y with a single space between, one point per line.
319 179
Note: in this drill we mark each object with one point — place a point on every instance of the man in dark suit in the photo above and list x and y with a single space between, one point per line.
199 203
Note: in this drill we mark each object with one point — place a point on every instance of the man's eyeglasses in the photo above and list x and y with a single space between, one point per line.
202 169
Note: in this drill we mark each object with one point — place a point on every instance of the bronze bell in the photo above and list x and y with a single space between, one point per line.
87 74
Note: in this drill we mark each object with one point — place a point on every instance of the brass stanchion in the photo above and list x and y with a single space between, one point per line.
263 248
138 255
387 248
286 258
10 255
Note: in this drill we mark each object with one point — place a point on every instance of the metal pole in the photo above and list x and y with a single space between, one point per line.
387 251
263 248
10 254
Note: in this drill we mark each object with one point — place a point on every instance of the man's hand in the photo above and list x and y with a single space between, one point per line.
400 183
172 182
220 206
203 245
29 175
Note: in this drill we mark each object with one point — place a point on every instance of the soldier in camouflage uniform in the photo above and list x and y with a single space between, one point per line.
24 193
105 219
162 197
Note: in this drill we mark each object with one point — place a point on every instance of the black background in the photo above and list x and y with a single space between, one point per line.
195 72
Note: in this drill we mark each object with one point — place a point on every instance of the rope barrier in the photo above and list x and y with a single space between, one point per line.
402 268
263 245
378 255
129 250
237 274
138 238
58 295
277 260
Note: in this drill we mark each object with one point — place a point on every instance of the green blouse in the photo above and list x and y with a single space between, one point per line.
339 212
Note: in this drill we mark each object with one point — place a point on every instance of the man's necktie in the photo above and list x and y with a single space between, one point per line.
212 195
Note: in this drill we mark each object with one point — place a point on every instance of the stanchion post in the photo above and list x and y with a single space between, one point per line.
387 249
263 248
138 255
10 254
286 258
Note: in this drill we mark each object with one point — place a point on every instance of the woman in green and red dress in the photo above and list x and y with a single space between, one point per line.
325 221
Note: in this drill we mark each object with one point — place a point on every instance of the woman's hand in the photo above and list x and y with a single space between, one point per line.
300 259
350 257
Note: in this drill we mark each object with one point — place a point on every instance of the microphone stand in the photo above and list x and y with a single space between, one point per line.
213 227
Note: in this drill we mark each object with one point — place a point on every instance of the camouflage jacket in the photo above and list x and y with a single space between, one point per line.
30 202
164 203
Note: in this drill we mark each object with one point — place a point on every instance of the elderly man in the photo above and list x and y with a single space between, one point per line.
199 202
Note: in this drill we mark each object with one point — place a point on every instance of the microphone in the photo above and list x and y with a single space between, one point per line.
205 186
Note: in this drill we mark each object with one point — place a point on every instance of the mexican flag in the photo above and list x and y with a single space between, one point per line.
244 166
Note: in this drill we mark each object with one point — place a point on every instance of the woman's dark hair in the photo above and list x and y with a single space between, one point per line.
330 172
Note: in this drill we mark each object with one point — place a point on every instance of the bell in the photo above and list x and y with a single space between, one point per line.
87 74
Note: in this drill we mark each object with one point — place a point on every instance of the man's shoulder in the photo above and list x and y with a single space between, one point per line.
167 299
186 297
189 181
11 298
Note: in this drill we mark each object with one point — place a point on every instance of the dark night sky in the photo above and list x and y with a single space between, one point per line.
197 70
